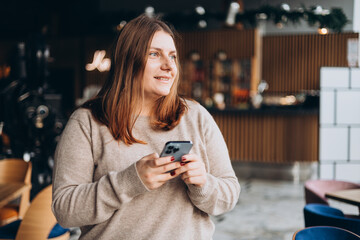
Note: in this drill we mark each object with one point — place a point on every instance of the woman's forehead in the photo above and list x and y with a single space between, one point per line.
163 41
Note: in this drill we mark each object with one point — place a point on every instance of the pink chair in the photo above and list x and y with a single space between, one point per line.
315 189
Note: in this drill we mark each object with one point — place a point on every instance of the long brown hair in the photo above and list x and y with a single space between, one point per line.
118 103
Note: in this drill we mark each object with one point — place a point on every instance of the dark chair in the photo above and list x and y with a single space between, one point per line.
323 215
324 233
315 189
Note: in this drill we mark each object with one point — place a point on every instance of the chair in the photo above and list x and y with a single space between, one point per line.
324 233
315 189
38 223
323 215
15 170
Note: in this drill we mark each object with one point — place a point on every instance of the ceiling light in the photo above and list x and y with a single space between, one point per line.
285 7
323 31
149 11
200 10
202 24
233 10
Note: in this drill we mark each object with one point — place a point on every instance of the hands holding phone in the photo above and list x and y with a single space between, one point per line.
192 170
154 171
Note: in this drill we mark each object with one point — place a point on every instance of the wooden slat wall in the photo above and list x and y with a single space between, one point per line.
237 44
270 138
292 63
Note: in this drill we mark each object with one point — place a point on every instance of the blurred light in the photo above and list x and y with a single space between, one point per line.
202 24
318 10
26 156
262 16
121 25
323 31
222 56
263 85
149 11
279 25
200 10
300 9
195 56
288 100
321 11
325 12
233 10
285 7
99 62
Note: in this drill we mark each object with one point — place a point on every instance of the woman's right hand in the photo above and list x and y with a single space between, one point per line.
155 171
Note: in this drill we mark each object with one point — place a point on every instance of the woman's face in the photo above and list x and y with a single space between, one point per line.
160 68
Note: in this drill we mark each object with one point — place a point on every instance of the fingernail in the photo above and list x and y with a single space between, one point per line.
182 163
172 173
172 158
183 158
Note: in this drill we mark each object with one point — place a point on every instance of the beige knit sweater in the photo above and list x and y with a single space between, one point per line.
97 188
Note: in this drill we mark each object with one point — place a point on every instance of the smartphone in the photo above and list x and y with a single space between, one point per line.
176 149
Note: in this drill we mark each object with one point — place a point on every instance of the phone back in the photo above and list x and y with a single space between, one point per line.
176 149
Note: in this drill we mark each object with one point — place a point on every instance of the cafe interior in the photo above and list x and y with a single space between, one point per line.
280 78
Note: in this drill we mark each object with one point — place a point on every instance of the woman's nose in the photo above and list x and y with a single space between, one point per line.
166 63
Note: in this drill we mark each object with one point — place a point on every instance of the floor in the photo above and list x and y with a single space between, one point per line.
267 210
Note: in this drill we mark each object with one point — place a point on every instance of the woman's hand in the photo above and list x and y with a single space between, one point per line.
155 171
192 170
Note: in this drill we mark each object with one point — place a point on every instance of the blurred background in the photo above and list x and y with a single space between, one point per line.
259 66
281 79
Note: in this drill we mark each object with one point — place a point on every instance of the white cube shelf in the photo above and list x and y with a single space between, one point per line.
355 144
348 172
333 144
355 77
327 107
331 77
339 133
348 107
326 171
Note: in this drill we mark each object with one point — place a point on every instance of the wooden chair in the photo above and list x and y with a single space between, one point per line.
38 222
15 170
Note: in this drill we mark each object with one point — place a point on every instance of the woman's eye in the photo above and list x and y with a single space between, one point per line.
173 57
154 54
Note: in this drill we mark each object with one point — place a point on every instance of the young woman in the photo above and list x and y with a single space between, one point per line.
108 177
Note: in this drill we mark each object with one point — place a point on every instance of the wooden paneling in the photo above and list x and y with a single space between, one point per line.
292 63
237 44
270 138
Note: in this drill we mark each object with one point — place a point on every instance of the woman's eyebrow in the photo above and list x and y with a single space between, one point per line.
160 49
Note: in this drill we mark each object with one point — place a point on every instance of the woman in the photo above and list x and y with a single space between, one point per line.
108 177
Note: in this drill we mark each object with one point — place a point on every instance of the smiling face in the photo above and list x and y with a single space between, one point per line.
160 68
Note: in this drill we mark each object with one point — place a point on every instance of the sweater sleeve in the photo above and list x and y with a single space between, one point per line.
78 200
221 191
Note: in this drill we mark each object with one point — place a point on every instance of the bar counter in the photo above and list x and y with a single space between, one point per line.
284 134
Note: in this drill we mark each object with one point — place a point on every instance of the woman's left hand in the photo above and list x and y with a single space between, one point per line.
192 170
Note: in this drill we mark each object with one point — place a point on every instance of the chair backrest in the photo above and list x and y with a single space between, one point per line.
39 219
15 170
323 215
324 233
315 189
